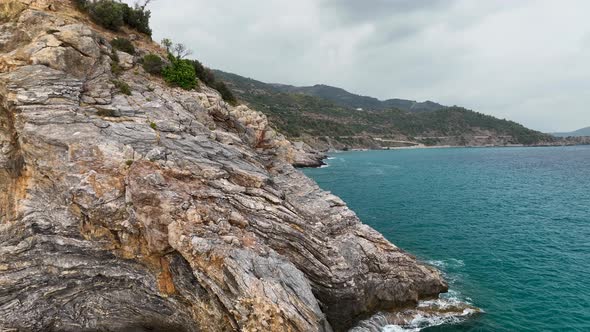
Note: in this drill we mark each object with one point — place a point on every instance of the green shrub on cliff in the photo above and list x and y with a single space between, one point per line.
203 73
180 73
207 76
138 18
225 92
107 13
82 5
123 87
153 64
113 14
123 44
115 66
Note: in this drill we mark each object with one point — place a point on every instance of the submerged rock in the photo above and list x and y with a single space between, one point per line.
166 209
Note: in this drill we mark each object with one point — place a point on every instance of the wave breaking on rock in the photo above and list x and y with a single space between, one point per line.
428 313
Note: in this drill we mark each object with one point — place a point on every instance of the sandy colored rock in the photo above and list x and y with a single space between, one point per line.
125 60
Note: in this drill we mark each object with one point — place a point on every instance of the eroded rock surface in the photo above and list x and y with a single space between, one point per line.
166 209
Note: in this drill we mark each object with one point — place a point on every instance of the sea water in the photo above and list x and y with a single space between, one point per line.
509 227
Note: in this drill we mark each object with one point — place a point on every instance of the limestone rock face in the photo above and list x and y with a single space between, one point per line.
166 209
125 60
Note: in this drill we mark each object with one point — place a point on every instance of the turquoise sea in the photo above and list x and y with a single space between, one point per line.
509 227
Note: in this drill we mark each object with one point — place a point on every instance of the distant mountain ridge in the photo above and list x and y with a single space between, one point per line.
327 117
344 98
576 133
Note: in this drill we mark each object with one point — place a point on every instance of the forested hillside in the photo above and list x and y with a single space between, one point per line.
344 98
321 113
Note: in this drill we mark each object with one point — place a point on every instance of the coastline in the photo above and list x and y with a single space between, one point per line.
416 147
319 159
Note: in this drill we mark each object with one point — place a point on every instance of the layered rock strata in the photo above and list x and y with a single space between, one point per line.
165 209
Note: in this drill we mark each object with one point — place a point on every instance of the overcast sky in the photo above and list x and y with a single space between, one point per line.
527 61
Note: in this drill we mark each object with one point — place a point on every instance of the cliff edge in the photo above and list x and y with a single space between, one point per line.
165 209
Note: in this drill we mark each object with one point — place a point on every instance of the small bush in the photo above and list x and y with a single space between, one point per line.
116 68
81 5
138 18
114 57
113 15
153 64
105 112
123 44
207 76
203 73
123 87
153 125
107 13
226 93
180 73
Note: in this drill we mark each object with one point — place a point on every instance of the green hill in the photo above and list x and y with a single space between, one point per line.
344 98
325 116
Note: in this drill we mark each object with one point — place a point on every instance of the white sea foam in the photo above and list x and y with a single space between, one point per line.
395 328
439 264
449 263
457 262
421 321
450 268
450 308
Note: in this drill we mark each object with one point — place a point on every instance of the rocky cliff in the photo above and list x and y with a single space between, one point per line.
165 209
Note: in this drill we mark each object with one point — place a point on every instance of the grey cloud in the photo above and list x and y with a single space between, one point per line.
376 9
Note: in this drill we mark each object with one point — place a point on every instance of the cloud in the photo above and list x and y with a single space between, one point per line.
525 60
371 10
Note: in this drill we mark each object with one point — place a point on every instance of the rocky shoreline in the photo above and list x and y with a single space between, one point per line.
165 209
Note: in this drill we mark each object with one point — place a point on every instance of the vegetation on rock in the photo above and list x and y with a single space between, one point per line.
123 87
123 44
105 112
115 66
207 76
180 73
225 92
153 64
113 15
138 17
